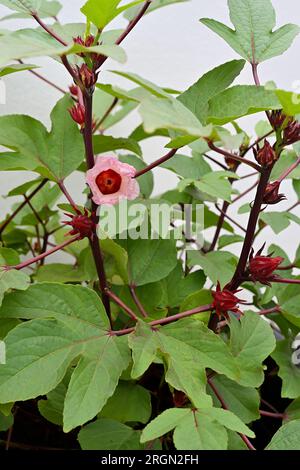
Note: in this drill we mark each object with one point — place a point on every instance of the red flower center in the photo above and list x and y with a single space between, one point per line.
109 182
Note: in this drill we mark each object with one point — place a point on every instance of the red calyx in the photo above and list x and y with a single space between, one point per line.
109 182
277 119
77 113
225 301
291 133
73 90
81 224
232 164
265 156
261 268
272 195
87 76
87 42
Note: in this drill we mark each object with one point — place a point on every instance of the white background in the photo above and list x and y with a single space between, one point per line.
171 48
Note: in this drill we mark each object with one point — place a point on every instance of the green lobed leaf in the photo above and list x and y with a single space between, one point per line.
253 37
202 429
279 221
286 438
243 401
26 43
14 68
196 98
178 286
155 4
251 341
188 347
288 372
239 101
44 8
158 113
102 12
129 403
225 261
145 259
12 279
70 322
107 434
55 154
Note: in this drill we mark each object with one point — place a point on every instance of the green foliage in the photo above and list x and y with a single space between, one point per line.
149 356
197 97
287 438
102 12
54 155
253 37
107 434
239 101
23 9
202 429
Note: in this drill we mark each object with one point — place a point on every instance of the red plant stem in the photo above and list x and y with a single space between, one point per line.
60 40
106 115
88 130
257 83
69 68
255 74
90 160
121 304
264 402
233 157
293 206
286 268
289 171
230 218
219 226
134 22
180 316
138 302
44 79
280 280
247 191
167 320
36 214
269 311
225 407
250 233
47 29
21 206
272 415
44 255
250 175
68 196
216 162
158 162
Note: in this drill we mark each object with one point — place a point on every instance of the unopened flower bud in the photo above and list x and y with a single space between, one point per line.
291 133
77 113
261 268
73 90
266 156
232 164
225 301
277 119
81 224
272 195
87 76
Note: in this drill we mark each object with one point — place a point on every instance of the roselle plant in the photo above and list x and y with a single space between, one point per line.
149 342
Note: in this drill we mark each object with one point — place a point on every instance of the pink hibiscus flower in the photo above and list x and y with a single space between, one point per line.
111 180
